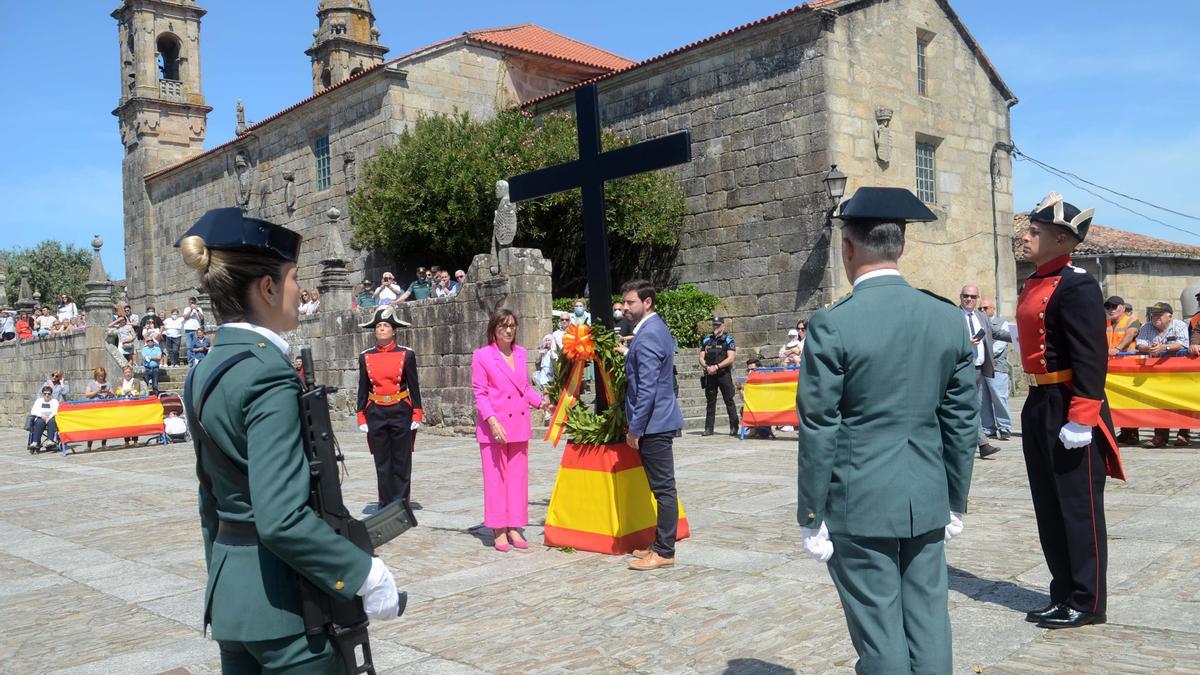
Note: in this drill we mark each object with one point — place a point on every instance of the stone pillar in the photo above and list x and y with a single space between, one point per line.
3 291
25 301
97 307
336 290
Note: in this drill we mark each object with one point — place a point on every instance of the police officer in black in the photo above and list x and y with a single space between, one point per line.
717 352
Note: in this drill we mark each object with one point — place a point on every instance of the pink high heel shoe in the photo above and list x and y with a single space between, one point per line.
519 543
501 543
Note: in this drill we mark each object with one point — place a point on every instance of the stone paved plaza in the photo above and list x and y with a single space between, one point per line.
101 571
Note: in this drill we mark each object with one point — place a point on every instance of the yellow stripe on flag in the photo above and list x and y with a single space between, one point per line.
1157 391
610 504
87 418
770 396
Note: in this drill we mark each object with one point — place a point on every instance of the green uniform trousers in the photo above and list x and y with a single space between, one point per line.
894 593
292 655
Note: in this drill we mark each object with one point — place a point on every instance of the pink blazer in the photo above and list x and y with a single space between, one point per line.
502 392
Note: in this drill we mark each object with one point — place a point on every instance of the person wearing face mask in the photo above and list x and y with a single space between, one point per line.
623 324
579 314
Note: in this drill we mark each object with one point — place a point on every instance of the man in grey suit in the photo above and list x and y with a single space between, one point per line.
983 335
653 416
886 443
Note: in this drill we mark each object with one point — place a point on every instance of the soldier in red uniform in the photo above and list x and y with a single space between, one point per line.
1067 429
389 405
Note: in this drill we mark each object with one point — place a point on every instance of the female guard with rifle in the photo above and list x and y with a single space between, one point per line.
260 532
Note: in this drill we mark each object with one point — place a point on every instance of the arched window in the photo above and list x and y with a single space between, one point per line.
326 78
167 47
356 71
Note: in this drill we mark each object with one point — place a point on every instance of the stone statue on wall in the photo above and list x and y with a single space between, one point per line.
241 118
245 178
350 171
883 134
504 224
289 190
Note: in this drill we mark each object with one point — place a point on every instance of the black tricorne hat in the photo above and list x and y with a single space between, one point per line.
386 314
1054 211
229 229
885 204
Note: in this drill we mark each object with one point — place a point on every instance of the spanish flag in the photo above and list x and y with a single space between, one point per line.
770 397
120 418
602 501
1151 393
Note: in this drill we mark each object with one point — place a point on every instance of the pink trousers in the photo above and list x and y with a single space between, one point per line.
505 484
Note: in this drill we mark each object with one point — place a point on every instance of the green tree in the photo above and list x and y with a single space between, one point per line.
434 192
54 268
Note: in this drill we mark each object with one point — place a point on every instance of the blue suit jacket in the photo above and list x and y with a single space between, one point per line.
650 403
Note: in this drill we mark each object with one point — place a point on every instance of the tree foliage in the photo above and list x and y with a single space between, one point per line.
54 268
433 193
683 309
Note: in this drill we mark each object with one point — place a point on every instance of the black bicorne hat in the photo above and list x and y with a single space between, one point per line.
885 204
386 314
1054 211
231 230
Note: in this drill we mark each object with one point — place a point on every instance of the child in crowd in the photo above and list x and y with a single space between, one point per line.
789 353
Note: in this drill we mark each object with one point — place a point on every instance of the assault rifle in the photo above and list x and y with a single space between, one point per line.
344 621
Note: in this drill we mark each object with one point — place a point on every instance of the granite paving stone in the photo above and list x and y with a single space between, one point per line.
102 571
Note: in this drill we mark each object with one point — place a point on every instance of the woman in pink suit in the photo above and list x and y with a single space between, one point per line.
503 398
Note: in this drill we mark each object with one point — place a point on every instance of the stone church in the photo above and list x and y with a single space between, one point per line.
894 92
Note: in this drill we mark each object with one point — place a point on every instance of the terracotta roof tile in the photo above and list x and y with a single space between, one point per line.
1103 240
534 39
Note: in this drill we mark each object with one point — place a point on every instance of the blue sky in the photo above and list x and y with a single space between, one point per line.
1108 89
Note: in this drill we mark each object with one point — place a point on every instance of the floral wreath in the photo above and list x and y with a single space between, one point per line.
584 344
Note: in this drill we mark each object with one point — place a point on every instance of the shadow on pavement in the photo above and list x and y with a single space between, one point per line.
1003 593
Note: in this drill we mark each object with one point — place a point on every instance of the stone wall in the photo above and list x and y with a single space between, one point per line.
755 231
444 334
27 364
871 64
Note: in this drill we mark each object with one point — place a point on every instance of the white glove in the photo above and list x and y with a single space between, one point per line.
414 426
817 544
381 601
955 527
1075 435
362 428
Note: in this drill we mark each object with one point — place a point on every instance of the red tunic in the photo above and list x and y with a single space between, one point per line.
388 371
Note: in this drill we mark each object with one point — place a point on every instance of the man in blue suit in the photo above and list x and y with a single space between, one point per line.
653 415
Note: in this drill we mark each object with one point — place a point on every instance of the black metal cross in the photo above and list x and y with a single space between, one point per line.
589 172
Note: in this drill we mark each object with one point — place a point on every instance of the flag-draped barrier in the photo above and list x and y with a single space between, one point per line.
1154 392
113 418
770 397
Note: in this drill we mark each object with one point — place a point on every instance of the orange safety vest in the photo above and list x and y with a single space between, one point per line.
1116 333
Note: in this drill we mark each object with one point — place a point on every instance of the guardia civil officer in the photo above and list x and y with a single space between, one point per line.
886 443
389 405
717 352
258 529
1067 431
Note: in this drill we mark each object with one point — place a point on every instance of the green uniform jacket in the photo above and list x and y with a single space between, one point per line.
887 413
254 416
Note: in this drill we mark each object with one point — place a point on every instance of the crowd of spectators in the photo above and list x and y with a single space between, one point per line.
431 282
42 321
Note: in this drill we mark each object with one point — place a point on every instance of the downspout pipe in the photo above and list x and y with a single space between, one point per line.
1008 148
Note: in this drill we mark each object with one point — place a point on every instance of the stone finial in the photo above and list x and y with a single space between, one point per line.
334 248
3 291
241 118
97 274
25 299
334 284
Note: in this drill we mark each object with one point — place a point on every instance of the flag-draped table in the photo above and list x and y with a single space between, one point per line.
111 418
1154 393
602 501
770 398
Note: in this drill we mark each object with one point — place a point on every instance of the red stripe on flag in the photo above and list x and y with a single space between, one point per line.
780 418
772 376
611 458
599 543
111 432
1156 419
1151 366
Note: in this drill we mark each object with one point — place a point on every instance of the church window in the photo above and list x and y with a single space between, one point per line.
926 173
326 78
923 40
167 48
321 150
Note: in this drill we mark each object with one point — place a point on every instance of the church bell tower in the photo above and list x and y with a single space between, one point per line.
161 113
345 43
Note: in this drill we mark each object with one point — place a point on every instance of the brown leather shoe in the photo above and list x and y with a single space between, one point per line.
642 553
651 562
1155 442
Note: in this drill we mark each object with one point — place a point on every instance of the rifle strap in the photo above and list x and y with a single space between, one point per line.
206 444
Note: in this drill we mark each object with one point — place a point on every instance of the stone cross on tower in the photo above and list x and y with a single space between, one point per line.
590 172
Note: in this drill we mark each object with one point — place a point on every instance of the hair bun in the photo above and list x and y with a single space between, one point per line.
195 253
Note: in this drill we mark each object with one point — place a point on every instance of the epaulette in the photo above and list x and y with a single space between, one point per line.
936 296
